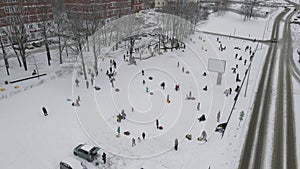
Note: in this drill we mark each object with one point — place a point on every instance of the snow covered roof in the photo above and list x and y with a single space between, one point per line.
87 147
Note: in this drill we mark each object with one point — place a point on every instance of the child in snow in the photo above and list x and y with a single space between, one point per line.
133 142
176 144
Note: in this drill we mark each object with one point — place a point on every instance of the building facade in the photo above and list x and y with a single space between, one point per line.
31 15
102 9
26 16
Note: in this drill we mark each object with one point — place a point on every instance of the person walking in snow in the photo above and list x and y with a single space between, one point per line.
45 111
112 83
115 64
147 89
198 106
87 84
77 82
144 82
163 85
218 116
104 157
157 123
119 130
204 136
133 142
237 79
143 135
143 73
92 81
176 144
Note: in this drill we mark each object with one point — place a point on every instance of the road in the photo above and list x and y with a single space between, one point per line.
276 72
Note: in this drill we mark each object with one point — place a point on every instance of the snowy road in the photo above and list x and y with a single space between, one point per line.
276 73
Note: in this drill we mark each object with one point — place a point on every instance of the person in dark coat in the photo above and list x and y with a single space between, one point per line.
133 142
163 85
176 144
202 118
143 135
104 158
157 123
44 111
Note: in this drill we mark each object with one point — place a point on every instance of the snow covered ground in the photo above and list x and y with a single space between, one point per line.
32 140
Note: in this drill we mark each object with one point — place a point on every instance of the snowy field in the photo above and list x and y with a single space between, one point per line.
32 140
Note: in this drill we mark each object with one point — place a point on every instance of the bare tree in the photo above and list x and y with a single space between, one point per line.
4 56
20 40
17 32
221 6
78 35
248 7
96 20
61 22
46 26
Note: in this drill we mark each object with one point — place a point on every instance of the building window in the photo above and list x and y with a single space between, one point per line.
113 4
32 36
6 1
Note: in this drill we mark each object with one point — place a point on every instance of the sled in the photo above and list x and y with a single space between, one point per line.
118 135
97 88
127 133
160 127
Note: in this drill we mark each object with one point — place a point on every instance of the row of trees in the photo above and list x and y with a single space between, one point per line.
78 31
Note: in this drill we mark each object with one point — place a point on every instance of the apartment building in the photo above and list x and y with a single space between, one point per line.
102 9
30 15
26 15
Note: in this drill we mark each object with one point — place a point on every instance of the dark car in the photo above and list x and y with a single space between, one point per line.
274 40
64 165
37 44
84 151
69 163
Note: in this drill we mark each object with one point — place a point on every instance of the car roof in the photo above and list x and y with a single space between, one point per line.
87 147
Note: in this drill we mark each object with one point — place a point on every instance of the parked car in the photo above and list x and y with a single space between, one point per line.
274 40
87 152
29 46
144 34
37 44
69 163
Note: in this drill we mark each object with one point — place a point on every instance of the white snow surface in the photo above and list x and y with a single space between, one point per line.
32 140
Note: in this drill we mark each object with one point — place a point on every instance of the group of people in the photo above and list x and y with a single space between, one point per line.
221 47
111 72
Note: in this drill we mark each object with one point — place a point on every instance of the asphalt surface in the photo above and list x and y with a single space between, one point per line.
284 141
